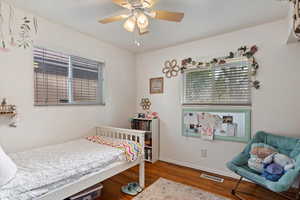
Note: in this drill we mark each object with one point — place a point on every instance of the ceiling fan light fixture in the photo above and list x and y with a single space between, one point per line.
142 21
129 24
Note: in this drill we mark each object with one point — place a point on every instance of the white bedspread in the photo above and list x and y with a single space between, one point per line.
42 170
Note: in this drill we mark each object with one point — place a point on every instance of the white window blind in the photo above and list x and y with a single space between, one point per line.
62 79
228 84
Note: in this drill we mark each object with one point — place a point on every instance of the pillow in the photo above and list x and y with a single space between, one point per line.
280 159
256 164
8 168
261 150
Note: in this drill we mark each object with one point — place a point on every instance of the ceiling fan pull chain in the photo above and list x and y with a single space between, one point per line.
137 38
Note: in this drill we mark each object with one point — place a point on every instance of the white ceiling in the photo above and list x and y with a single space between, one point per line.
203 18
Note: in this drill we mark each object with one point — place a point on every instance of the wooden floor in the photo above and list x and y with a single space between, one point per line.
183 175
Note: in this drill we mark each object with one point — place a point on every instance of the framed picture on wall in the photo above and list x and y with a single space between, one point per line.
218 124
157 85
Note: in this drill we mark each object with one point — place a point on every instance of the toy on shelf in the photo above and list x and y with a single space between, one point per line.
152 115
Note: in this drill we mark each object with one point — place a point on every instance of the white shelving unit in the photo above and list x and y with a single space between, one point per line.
151 126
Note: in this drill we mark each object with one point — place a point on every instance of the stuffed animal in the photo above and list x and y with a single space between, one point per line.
259 151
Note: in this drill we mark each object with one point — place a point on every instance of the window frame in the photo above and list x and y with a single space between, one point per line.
183 103
100 96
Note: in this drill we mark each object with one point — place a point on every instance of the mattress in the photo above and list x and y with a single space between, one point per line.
46 169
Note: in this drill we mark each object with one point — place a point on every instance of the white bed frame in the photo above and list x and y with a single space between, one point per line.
112 170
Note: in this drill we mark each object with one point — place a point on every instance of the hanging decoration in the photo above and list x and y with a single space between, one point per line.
11 24
171 68
25 41
24 35
2 42
145 103
296 19
243 52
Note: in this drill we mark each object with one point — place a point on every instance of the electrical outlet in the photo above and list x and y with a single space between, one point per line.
204 153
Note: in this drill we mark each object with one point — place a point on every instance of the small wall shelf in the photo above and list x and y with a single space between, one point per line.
8 111
151 126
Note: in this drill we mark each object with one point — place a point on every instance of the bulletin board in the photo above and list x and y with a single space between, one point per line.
217 124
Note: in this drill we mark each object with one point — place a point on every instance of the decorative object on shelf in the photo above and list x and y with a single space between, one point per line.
145 103
242 53
141 115
171 68
157 85
219 124
24 37
151 115
9 111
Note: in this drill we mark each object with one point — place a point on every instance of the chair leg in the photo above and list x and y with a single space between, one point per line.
298 192
235 191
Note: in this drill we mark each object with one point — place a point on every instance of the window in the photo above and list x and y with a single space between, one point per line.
228 84
61 79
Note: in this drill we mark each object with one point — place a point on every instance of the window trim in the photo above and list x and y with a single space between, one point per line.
101 79
182 92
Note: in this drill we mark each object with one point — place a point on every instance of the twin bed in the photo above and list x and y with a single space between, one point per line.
59 171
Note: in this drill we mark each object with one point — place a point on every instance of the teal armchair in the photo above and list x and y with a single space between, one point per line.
286 145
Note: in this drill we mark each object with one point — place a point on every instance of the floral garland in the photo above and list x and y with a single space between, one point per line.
242 52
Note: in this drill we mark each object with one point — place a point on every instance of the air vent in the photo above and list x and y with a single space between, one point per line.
212 178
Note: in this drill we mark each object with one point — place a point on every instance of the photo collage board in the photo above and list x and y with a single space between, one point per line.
221 124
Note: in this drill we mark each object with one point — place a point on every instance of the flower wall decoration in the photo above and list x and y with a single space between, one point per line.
171 68
242 52
145 103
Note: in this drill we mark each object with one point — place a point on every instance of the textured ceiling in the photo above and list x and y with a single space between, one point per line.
203 18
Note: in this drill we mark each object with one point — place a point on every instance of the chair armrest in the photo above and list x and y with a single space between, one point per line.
241 159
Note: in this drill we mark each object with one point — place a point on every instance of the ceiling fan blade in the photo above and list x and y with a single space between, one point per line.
166 15
149 3
113 19
123 3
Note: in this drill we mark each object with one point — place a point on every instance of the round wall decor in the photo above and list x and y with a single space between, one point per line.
145 103
171 68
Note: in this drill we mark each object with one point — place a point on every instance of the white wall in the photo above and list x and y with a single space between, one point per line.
39 126
276 106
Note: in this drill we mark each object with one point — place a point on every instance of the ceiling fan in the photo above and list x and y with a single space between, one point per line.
139 13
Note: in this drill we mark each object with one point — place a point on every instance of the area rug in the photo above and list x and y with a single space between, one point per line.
164 189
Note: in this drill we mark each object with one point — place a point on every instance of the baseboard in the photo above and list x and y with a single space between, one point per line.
214 171
191 165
